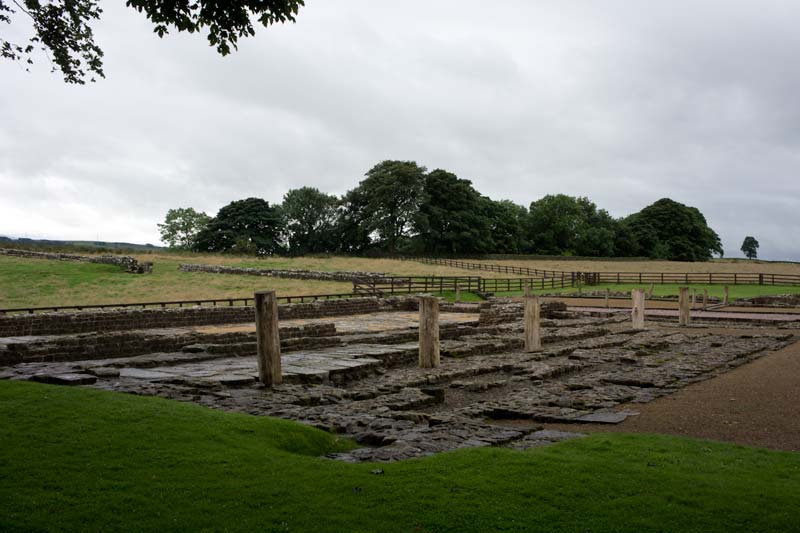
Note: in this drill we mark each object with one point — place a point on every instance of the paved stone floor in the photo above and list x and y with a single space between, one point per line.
487 392
354 323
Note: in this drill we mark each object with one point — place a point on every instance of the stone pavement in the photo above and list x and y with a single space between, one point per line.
487 392
700 315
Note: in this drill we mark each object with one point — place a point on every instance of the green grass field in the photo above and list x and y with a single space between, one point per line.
82 459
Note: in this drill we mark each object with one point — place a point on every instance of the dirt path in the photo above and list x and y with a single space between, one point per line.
757 404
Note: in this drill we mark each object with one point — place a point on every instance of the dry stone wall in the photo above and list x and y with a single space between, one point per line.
126 262
315 275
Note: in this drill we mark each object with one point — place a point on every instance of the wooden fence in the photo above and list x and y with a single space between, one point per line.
570 279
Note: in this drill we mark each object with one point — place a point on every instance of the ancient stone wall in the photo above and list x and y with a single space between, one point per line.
127 319
126 262
118 344
277 273
510 312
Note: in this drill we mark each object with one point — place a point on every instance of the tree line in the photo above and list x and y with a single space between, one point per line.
401 207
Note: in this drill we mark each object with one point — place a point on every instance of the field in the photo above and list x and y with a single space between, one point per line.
599 265
40 283
80 459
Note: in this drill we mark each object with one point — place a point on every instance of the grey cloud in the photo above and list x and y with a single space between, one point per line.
624 102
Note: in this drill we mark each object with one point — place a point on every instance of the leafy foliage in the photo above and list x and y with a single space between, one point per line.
392 194
565 225
63 27
750 247
401 207
249 226
181 226
309 218
670 230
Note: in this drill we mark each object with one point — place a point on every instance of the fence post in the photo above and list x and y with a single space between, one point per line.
684 315
458 293
608 293
533 338
694 298
637 313
725 295
705 299
268 338
428 332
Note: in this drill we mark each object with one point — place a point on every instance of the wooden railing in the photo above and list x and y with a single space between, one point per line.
569 279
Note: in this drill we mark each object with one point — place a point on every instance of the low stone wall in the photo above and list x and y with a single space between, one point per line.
316 275
119 344
128 319
126 262
510 312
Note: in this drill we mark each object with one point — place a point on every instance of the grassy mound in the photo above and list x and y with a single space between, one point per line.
90 460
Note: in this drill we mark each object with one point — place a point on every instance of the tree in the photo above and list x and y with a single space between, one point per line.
452 217
670 230
351 232
506 225
249 226
392 195
309 218
750 247
63 27
181 226
566 225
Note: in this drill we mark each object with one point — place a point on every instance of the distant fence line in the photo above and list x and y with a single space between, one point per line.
595 278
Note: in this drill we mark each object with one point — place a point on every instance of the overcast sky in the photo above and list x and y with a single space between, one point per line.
624 102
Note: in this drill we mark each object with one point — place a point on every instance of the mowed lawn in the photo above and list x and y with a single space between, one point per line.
40 283
88 460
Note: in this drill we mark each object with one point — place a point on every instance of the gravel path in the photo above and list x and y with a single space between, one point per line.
757 404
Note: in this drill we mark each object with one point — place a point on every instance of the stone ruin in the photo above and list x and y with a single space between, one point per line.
126 262
350 367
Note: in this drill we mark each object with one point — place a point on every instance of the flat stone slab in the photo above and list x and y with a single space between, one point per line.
65 379
598 417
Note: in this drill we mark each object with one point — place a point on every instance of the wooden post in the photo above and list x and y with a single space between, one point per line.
684 315
705 299
268 338
458 293
694 297
637 313
428 332
533 338
608 293
650 291
725 295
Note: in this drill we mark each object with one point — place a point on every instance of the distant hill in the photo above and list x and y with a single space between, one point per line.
77 245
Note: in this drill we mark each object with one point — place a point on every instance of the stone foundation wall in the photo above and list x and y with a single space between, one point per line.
781 300
132 343
510 312
126 262
275 273
128 319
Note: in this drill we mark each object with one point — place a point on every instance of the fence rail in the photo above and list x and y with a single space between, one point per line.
594 278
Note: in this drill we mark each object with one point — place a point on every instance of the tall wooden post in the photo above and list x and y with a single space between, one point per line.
637 313
694 298
705 299
533 337
458 293
268 338
725 295
428 332
608 293
650 290
684 315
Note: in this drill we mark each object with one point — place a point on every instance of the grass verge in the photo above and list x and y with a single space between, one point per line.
81 459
